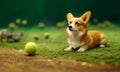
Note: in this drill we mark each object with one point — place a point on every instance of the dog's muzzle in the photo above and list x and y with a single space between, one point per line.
70 28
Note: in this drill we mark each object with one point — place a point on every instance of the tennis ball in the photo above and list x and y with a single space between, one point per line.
41 25
18 20
31 48
36 37
61 24
12 26
46 35
24 22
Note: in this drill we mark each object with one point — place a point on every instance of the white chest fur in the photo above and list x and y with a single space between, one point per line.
74 39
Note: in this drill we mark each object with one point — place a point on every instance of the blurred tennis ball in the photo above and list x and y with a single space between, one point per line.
12 26
36 37
24 22
61 24
95 20
41 25
46 35
18 20
31 48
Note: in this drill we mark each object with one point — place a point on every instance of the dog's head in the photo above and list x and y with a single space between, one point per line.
78 23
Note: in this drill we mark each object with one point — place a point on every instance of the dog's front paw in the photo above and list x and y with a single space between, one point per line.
68 49
81 50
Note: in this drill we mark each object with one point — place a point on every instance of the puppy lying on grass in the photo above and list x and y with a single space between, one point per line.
79 38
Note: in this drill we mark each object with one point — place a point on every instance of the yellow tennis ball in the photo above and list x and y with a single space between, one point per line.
36 37
46 35
31 48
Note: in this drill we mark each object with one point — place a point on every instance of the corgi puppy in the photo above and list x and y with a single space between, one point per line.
79 38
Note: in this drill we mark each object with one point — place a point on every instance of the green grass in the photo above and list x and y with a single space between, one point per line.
55 45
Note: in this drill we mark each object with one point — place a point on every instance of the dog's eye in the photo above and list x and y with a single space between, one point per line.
77 23
70 22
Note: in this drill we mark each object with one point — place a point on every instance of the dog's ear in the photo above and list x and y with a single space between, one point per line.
86 17
69 16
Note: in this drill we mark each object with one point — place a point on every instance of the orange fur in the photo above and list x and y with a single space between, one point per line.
95 35
78 33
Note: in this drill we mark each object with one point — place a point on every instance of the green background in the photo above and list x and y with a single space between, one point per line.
52 11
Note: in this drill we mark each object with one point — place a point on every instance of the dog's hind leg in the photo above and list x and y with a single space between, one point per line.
103 40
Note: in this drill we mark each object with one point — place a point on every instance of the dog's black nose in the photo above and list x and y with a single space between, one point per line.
69 27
